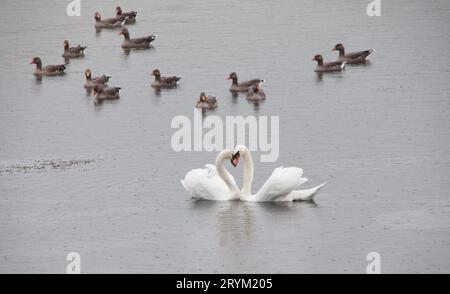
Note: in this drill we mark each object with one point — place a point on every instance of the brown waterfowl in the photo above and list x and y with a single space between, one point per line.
256 92
353 57
242 86
137 43
164 82
73 52
91 82
49 70
108 23
328 66
206 102
130 16
101 92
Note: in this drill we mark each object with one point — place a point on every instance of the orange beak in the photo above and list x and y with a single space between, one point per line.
334 49
120 33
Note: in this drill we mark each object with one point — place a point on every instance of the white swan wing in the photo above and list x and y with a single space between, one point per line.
205 183
282 182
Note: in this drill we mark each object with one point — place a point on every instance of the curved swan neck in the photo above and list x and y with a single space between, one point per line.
223 173
248 172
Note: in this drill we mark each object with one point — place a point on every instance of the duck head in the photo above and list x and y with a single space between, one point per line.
232 76
202 96
118 11
318 58
156 73
37 61
98 17
257 87
88 74
339 47
125 33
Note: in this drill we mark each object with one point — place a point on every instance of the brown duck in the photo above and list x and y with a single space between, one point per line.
328 66
206 102
73 52
137 43
130 16
91 82
353 57
108 23
242 86
164 82
49 70
256 92
101 92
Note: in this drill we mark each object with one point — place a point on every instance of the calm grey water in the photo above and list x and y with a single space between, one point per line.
103 180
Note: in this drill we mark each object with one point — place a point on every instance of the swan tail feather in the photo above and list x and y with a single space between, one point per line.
305 195
184 185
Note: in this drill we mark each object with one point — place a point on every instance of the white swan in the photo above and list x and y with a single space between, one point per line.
280 186
213 182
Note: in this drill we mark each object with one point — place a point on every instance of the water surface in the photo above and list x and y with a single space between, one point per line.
104 181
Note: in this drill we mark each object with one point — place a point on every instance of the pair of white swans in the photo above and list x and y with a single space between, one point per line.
214 182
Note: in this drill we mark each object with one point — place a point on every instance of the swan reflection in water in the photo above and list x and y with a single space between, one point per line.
234 221
238 222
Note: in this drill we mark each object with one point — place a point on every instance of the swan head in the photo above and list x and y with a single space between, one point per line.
235 158
223 156
238 151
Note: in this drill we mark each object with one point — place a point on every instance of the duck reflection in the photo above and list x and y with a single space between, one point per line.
256 105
